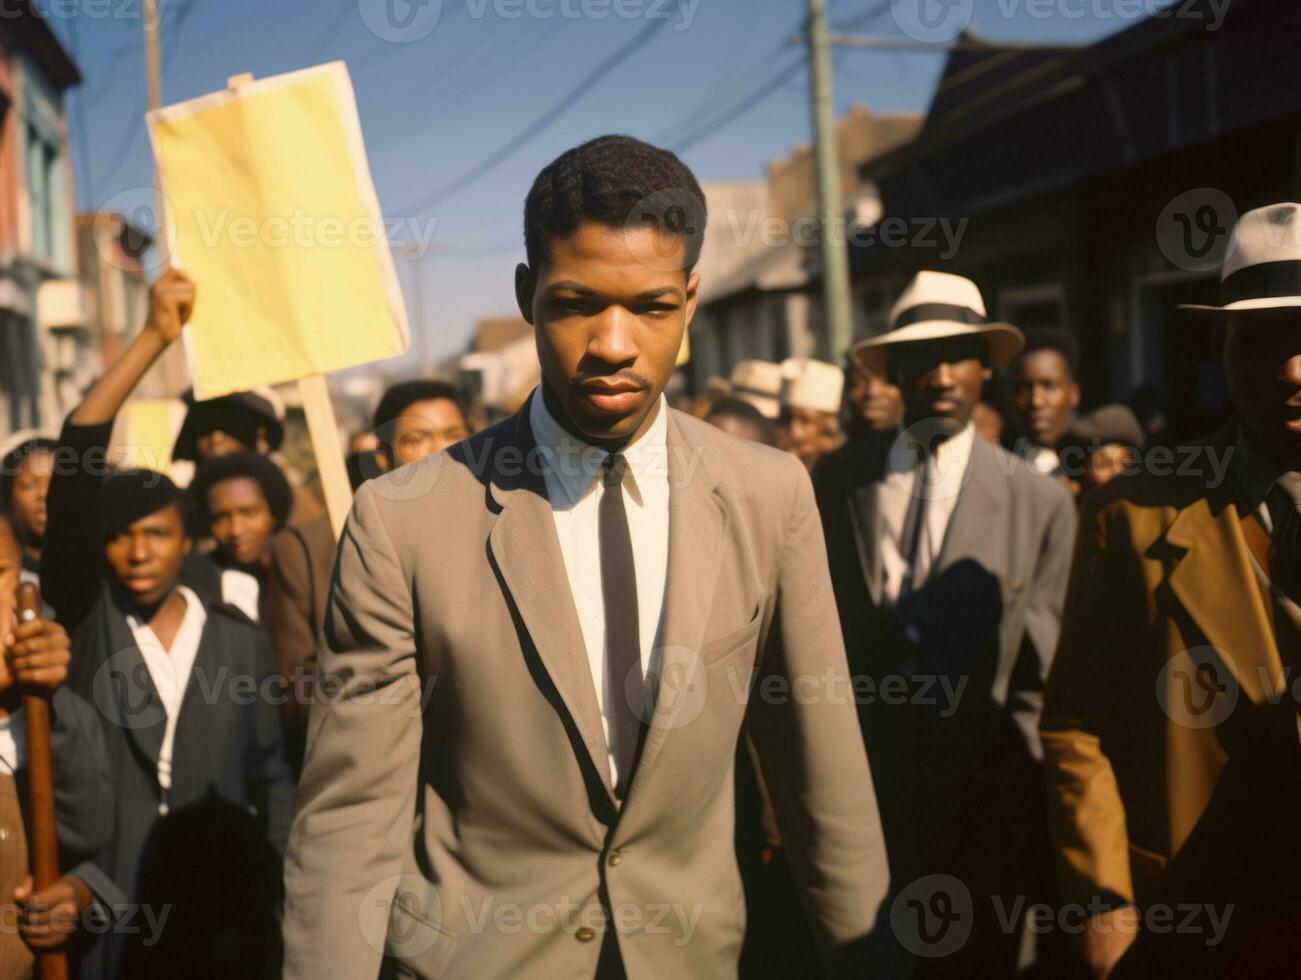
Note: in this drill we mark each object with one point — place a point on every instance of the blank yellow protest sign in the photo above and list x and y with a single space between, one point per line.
273 213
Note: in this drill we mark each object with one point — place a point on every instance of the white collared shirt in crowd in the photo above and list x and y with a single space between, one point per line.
170 669
241 590
574 488
948 472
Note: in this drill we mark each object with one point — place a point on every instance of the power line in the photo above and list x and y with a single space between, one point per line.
585 85
739 109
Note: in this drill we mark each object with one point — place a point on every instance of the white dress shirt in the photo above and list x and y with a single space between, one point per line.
948 467
170 671
13 741
574 489
241 590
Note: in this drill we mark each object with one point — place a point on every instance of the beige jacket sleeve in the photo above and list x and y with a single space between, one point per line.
1085 810
356 798
811 750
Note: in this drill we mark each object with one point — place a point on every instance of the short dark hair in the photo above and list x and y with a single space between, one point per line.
743 411
401 396
615 181
14 459
248 466
1057 339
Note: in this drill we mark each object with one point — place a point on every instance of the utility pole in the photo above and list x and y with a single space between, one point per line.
419 327
154 82
839 314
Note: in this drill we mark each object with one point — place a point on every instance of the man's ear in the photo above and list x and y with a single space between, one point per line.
384 457
693 293
261 444
526 285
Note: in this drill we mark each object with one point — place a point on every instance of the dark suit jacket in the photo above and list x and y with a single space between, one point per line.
228 739
989 618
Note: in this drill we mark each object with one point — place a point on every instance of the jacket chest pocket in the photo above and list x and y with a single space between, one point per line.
716 648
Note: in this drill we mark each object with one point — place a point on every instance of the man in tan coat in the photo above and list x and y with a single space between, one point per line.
541 645
1169 728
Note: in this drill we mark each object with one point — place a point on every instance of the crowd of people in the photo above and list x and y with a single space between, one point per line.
1068 675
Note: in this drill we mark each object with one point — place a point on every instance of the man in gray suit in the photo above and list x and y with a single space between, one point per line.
541 645
949 558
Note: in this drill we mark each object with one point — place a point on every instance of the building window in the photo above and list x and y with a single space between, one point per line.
43 174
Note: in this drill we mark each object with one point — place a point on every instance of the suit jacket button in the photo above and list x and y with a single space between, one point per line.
615 858
585 935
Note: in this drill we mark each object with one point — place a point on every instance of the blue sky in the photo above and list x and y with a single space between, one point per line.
434 108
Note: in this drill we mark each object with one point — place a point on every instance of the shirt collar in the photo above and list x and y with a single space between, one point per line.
951 454
194 616
573 465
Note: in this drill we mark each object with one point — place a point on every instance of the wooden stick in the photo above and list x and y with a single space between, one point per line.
325 444
44 839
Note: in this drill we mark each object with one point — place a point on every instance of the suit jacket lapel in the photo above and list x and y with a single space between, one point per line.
865 518
697 524
129 684
981 503
527 554
1233 620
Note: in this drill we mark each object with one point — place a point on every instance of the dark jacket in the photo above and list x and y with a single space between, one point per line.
228 743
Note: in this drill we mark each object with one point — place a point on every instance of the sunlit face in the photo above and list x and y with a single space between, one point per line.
424 428
1044 396
610 306
145 557
1262 361
31 485
811 433
241 520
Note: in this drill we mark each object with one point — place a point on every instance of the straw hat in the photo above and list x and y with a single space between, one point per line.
938 306
760 384
813 385
1262 266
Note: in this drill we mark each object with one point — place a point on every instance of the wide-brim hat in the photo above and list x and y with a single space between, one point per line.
939 306
239 414
760 384
1262 264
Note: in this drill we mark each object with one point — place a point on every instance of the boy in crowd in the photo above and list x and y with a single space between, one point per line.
166 668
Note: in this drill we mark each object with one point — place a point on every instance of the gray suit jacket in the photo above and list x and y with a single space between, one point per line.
455 809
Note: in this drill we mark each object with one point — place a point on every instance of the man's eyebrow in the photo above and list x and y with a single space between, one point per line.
657 293
573 287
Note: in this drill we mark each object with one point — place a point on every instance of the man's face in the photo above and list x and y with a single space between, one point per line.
241 520
1104 464
145 557
424 428
610 307
30 487
941 380
1262 361
218 443
875 400
1044 396
811 433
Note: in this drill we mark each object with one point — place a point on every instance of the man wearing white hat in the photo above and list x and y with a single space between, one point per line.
1170 727
949 559
812 392
760 384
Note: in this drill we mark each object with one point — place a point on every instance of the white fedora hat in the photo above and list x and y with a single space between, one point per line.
812 385
1262 265
760 384
938 306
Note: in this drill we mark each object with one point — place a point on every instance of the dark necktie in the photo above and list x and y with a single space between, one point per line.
914 521
624 678
1284 502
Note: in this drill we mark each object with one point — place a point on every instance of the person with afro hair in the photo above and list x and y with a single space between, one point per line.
242 500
